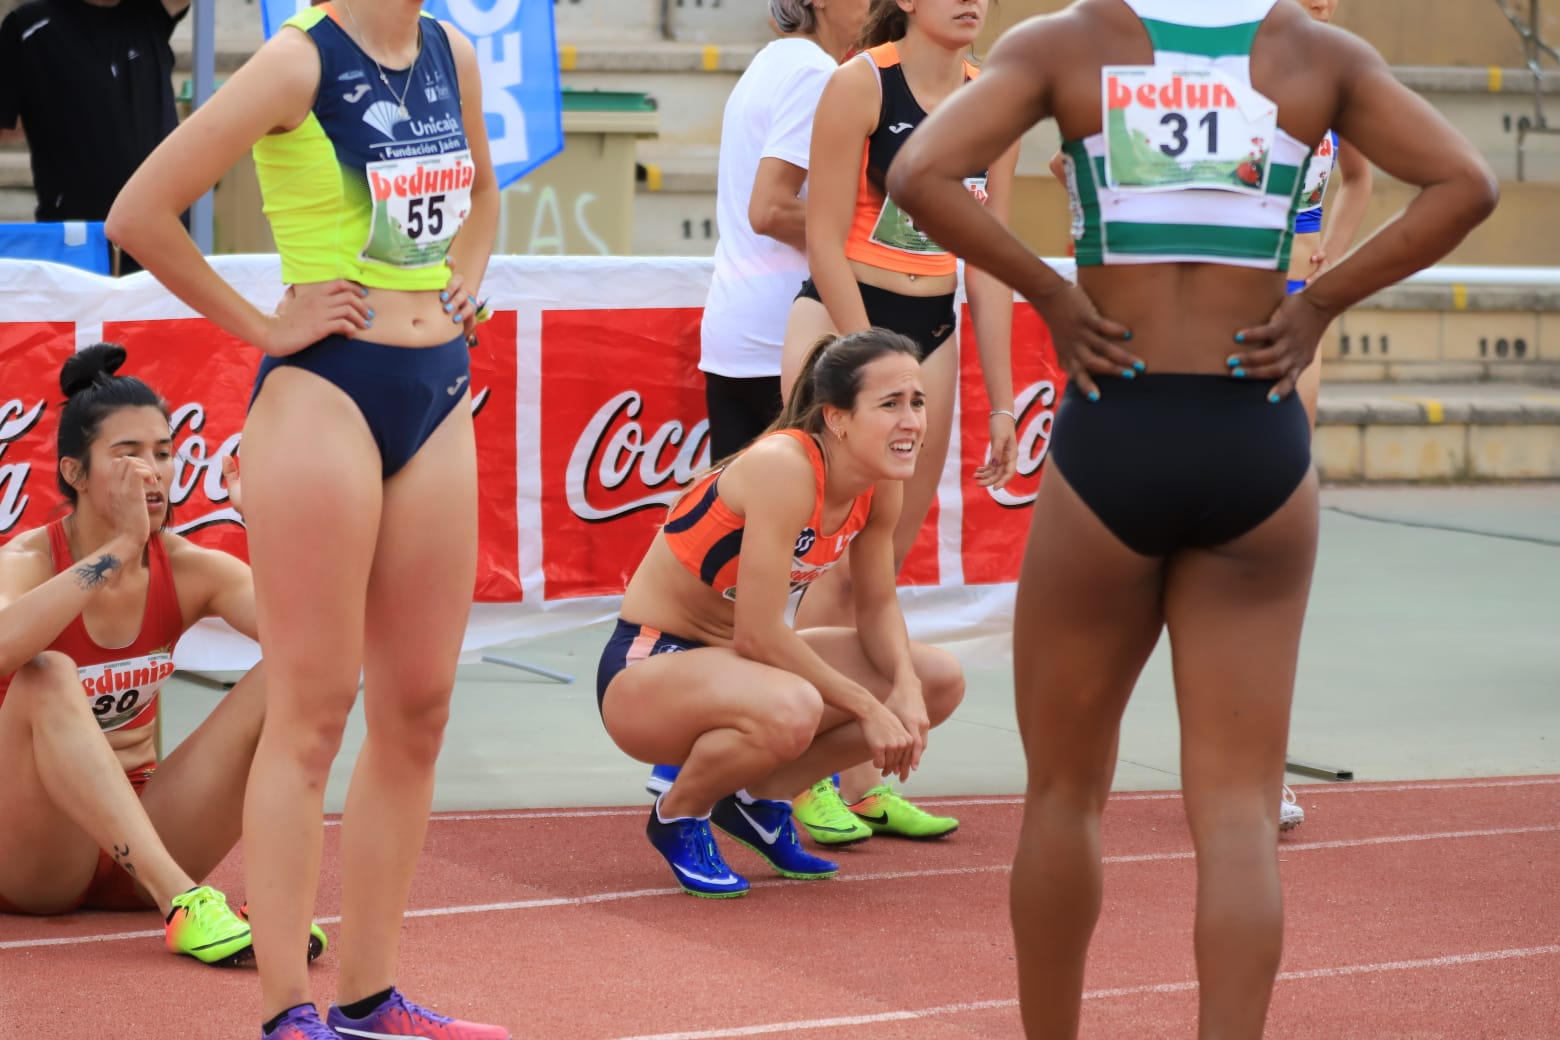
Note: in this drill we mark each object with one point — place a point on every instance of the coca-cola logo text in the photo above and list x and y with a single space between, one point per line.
1036 407
15 420
197 464
614 447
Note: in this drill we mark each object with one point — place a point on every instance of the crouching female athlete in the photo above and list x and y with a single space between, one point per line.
91 606
703 670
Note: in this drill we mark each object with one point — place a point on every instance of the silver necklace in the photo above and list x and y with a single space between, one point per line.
400 102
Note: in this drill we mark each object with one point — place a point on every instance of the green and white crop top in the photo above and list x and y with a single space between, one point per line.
376 181
1191 165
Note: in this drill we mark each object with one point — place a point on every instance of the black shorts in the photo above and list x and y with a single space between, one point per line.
739 410
928 320
1170 461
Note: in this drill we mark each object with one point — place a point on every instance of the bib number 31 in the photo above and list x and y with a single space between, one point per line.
1169 128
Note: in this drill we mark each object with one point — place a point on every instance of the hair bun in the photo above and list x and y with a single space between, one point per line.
86 367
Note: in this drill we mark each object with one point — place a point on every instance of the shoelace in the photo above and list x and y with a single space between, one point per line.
417 1009
835 812
702 844
201 902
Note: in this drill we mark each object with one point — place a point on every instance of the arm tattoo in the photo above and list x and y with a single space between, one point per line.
122 858
92 573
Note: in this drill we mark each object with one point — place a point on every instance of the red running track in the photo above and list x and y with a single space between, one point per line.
1416 910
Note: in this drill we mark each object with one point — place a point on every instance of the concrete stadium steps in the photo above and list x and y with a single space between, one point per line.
674 200
1437 432
687 21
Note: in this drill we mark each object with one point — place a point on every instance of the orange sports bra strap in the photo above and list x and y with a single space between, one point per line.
884 55
815 455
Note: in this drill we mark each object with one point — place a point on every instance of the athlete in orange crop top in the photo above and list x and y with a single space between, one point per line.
91 606
871 266
703 670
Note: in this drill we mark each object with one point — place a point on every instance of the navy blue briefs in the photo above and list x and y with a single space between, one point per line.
404 393
630 644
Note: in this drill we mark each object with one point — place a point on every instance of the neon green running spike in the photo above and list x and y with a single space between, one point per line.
202 926
887 811
821 810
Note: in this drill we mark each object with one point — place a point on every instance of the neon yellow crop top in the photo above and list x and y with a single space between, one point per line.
373 185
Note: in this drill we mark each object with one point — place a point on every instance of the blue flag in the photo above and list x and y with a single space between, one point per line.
517 53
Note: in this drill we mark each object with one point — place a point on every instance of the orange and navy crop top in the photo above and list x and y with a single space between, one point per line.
376 180
706 536
122 683
881 234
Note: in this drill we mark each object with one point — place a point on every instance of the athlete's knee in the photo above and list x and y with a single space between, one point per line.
410 722
45 686
788 720
306 726
942 683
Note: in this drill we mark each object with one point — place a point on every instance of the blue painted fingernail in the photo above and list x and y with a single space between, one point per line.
1233 361
1238 373
1129 373
456 318
1240 337
446 308
1273 397
1127 334
443 296
364 291
1094 395
368 324
1139 366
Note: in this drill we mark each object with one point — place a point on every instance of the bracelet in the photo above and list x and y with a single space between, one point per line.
1004 411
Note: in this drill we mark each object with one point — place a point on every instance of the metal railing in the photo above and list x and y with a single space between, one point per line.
1534 49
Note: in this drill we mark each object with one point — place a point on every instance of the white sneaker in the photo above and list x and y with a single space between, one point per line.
1290 815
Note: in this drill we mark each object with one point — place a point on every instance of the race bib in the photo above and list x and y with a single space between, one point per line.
896 230
120 692
1317 170
418 205
1169 128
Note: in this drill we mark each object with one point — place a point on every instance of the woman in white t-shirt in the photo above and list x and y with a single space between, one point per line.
760 257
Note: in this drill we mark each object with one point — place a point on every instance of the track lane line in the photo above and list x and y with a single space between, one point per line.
1337 971
887 875
1351 787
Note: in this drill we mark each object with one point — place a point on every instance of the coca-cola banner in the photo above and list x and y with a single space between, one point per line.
623 431
996 520
590 420
31 354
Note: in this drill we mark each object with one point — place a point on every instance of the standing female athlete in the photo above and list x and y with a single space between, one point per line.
872 266
369 140
1183 498
91 606
703 670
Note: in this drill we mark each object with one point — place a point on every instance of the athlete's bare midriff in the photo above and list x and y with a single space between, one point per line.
402 318
1184 317
904 284
665 596
1305 246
